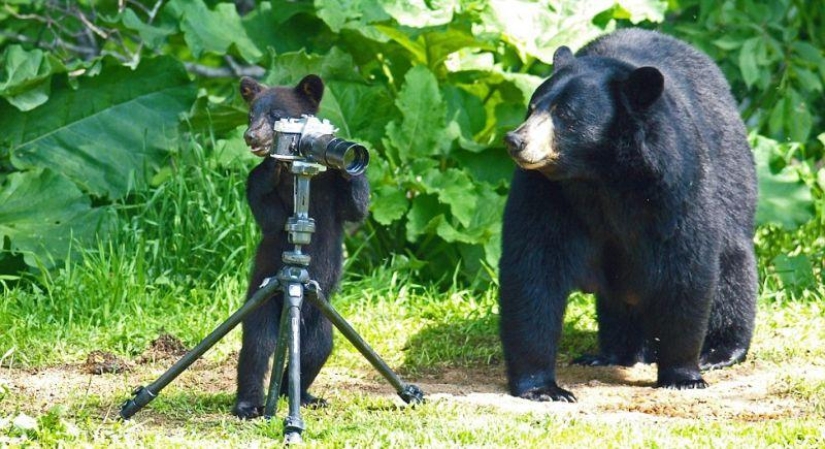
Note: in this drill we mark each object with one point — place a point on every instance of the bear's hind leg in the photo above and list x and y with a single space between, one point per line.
675 322
621 340
260 330
734 309
316 346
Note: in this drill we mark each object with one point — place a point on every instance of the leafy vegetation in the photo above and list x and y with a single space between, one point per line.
96 97
122 214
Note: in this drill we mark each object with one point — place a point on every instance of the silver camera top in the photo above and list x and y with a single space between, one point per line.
307 124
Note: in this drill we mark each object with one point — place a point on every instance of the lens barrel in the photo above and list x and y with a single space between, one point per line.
336 153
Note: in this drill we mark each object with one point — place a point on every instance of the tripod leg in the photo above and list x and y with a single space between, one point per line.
293 424
144 395
408 392
277 375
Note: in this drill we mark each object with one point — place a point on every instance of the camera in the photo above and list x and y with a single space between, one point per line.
308 138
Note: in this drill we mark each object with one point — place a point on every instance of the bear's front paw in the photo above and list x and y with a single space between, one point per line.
548 393
684 384
247 410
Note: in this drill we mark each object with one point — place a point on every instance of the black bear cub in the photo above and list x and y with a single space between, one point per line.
335 198
635 182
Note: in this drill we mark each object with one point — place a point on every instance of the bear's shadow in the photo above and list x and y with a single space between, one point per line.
473 346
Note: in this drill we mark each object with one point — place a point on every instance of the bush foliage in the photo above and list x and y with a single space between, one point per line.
99 97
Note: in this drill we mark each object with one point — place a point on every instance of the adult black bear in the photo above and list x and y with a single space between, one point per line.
335 198
636 183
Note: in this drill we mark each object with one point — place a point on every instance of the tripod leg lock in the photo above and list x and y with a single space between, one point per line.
143 396
293 427
411 394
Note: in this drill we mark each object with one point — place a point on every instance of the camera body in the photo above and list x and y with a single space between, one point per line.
309 139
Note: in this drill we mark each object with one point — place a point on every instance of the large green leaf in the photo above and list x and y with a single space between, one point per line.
25 76
153 36
536 29
454 188
109 133
422 131
360 111
420 13
433 46
354 15
289 68
388 204
43 213
784 199
213 31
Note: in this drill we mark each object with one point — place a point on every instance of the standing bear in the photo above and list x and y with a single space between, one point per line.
635 182
336 198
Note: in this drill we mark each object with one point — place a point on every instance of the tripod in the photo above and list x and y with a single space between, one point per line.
294 282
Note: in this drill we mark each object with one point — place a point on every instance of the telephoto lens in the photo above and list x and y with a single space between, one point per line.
336 153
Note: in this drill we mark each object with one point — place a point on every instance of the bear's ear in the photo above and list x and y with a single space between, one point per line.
250 88
311 88
562 57
643 87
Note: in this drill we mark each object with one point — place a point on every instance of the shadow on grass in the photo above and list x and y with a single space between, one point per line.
474 343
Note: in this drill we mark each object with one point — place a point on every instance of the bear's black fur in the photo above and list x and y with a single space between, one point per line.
335 198
636 183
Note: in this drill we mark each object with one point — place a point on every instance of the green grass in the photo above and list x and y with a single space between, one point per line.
179 265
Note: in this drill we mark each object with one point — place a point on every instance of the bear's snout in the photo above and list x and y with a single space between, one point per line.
514 142
258 138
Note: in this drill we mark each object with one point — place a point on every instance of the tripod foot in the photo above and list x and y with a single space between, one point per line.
411 394
142 396
292 438
292 430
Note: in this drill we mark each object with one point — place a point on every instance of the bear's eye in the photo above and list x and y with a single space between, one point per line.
561 112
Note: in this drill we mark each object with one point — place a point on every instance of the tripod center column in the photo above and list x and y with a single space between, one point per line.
300 226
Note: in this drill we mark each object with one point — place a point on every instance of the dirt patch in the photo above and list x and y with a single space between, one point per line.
165 347
100 362
746 392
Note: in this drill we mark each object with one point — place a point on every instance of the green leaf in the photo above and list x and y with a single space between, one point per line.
420 13
798 119
388 204
794 271
467 112
284 25
289 68
811 55
25 76
642 10
728 43
808 80
747 61
360 111
216 116
212 31
153 36
424 216
355 15
421 131
536 29
454 188
43 213
784 199
492 166
109 133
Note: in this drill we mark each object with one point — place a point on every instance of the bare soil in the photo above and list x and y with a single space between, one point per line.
752 391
